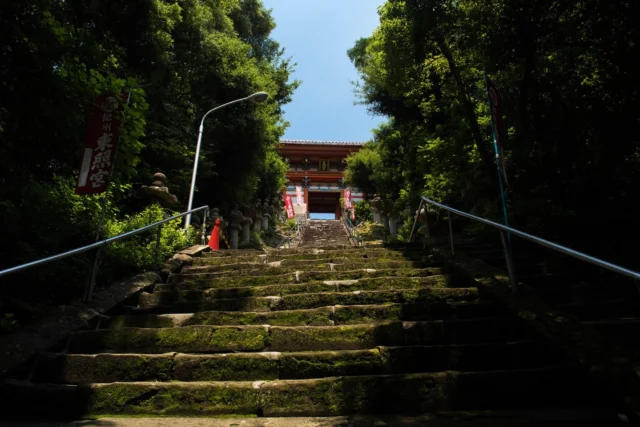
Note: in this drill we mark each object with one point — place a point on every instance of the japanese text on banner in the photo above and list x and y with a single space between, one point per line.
289 206
100 145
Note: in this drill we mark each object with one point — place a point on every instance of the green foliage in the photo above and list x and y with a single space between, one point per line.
363 211
361 169
174 60
566 71
142 251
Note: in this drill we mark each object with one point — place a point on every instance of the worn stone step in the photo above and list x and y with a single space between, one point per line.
220 339
603 309
191 339
623 330
522 418
268 262
232 253
296 277
278 256
347 285
324 316
280 267
554 387
190 302
104 368
569 294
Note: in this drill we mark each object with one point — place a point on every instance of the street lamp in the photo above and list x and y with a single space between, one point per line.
258 98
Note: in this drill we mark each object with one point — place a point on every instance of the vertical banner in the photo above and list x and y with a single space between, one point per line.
289 206
100 145
495 107
353 214
299 196
347 199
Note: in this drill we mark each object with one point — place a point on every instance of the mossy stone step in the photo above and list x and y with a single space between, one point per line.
407 394
191 339
221 339
304 264
194 282
309 317
353 254
103 368
348 285
194 301
324 316
511 418
274 269
418 310
233 253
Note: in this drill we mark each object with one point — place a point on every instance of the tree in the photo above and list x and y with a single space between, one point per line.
566 71
178 59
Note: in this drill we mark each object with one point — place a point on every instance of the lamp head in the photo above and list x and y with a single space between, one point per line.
259 97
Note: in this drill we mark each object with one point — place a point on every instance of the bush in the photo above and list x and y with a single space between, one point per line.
363 211
141 251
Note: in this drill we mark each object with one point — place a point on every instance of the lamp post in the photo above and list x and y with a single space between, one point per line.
258 98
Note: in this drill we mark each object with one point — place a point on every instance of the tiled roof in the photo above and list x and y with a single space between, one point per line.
311 142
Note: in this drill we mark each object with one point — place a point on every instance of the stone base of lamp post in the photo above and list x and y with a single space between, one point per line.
265 222
393 228
233 237
246 230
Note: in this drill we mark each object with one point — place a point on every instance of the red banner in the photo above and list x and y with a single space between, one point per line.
347 199
353 214
100 145
289 206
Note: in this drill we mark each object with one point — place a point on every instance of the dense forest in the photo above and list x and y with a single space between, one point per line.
568 76
179 59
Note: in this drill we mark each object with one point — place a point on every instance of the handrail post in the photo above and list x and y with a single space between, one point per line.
453 248
204 227
415 220
508 257
91 277
157 249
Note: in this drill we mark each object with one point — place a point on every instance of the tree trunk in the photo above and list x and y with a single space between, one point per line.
467 105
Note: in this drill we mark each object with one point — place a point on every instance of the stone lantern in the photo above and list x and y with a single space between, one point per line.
257 219
235 225
248 211
377 206
158 192
267 210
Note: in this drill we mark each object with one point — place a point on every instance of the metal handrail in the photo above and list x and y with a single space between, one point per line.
101 244
352 231
290 237
542 242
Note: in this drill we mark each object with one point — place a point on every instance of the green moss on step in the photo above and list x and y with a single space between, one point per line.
329 364
139 321
101 368
173 399
409 394
228 367
185 339
185 283
238 339
361 314
315 317
396 283
336 338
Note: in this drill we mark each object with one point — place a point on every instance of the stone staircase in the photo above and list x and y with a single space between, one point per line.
323 233
603 302
322 333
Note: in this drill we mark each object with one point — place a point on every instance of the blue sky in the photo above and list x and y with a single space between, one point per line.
317 34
